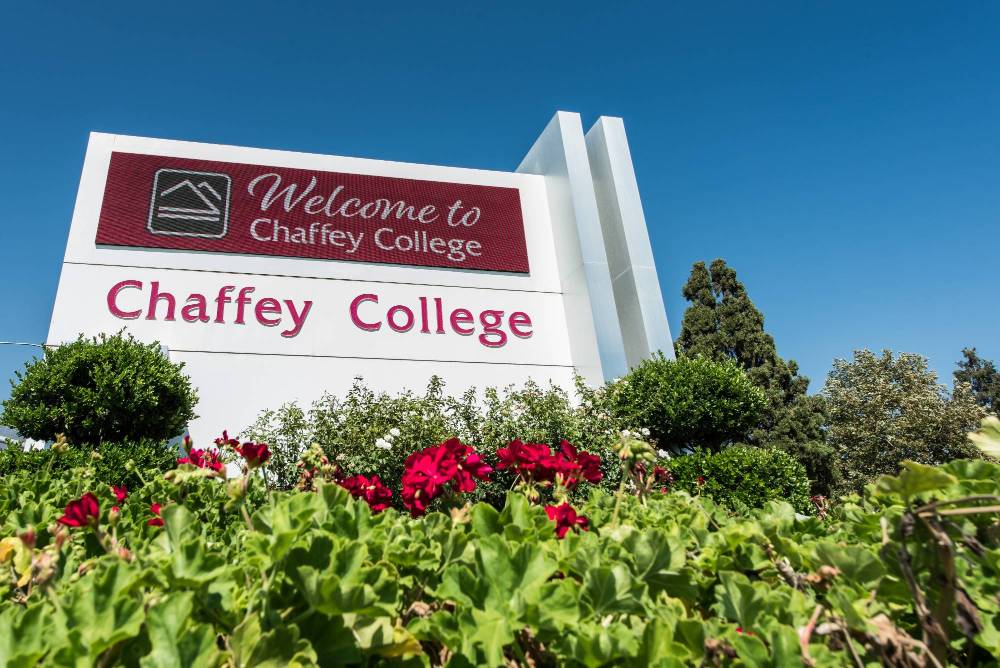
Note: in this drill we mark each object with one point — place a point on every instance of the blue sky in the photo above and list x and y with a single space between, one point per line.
843 157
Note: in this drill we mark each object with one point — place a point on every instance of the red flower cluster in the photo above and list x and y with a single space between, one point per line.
156 521
537 462
85 511
224 440
664 477
203 459
255 454
372 490
429 471
566 518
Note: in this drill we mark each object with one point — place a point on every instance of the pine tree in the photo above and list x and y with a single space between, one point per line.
983 377
723 323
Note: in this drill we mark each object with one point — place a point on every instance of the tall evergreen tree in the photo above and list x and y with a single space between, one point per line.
723 323
984 378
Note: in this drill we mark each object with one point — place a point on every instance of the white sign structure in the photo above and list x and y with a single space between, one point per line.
277 276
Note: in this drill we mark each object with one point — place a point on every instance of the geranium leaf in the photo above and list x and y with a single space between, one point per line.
177 640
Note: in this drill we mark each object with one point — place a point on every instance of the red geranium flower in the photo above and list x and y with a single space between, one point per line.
429 471
536 462
377 495
121 493
85 511
469 466
700 480
523 458
155 521
576 462
566 518
255 454
203 459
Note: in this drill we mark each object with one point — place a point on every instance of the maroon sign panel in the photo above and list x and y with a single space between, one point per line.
224 207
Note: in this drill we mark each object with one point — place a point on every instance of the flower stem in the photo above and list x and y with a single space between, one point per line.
618 497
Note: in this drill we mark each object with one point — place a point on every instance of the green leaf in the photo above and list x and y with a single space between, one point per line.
103 611
485 520
987 437
915 479
856 564
737 600
492 631
191 564
610 590
276 648
24 636
177 640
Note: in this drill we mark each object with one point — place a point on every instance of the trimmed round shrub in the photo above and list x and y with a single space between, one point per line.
743 477
107 389
689 402
114 463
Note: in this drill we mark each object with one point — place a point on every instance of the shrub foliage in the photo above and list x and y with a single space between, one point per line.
112 463
106 389
191 570
743 477
372 432
689 402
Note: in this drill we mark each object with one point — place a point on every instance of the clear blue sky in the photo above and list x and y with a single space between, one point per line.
843 157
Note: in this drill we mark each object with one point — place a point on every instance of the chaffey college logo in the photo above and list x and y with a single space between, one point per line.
190 204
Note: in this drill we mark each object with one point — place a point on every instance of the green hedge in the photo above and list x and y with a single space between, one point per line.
743 477
111 461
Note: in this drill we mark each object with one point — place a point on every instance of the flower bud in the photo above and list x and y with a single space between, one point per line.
114 515
234 489
28 537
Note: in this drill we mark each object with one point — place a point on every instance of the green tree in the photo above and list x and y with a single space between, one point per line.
983 377
723 323
885 409
109 389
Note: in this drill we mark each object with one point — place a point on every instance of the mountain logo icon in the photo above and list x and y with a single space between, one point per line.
190 204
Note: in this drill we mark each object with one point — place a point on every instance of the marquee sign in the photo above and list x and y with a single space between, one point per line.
154 201
277 276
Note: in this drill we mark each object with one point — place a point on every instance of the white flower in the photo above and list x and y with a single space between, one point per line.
30 444
644 432
663 454
626 433
384 444
394 432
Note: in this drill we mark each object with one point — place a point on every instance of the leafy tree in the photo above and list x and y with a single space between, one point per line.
723 323
109 389
983 377
885 409
688 403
